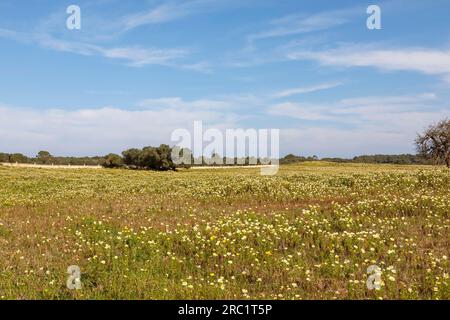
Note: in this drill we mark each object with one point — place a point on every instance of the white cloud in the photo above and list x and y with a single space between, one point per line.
336 142
372 125
346 127
427 61
96 131
359 109
365 125
223 104
379 133
303 90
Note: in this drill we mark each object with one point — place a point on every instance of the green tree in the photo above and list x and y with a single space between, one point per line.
44 157
18 157
165 158
149 158
4 157
113 161
131 157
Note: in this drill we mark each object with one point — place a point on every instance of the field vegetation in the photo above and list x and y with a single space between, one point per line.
309 232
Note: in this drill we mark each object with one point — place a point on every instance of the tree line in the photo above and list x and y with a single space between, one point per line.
377 158
160 159
44 157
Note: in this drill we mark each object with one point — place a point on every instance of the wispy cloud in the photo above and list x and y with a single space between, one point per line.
15 35
300 23
304 90
135 56
165 12
139 57
426 61
99 36
102 24
223 103
179 103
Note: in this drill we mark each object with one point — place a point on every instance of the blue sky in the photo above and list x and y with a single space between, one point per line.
137 70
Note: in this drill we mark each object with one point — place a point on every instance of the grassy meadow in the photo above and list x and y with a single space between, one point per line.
309 232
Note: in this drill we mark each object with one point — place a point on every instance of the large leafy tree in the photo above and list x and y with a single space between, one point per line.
149 158
131 157
113 161
44 157
434 143
165 158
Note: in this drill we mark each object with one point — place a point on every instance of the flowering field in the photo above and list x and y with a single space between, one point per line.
311 232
